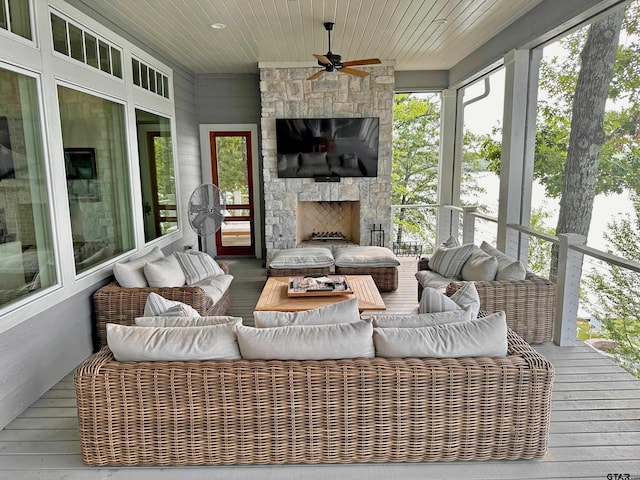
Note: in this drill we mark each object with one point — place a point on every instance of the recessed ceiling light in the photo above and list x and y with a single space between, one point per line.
218 26
440 21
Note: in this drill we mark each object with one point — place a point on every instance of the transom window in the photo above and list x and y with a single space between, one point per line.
74 41
15 17
149 78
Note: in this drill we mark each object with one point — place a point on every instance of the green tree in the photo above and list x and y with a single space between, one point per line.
617 291
414 177
416 145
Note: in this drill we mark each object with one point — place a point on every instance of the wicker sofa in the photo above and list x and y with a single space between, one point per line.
115 304
529 304
307 411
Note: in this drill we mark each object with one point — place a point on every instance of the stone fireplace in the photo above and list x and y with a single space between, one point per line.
322 218
286 93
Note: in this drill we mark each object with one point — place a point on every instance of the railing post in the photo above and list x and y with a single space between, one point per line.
468 224
567 289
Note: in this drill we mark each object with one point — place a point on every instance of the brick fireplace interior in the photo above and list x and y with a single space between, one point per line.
328 217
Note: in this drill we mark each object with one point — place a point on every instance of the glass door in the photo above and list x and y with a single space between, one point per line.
231 172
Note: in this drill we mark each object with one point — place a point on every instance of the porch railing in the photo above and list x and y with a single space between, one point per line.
572 249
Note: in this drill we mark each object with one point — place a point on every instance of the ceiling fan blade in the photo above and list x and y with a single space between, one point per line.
322 59
353 71
364 61
316 75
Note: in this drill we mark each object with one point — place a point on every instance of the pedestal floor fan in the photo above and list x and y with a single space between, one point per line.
206 211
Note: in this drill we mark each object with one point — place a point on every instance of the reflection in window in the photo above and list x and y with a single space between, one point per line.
157 177
93 133
26 253
14 16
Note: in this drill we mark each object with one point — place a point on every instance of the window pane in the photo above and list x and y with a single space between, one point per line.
144 76
91 50
159 87
152 80
105 59
165 86
3 17
19 16
26 253
136 71
116 62
93 133
59 29
156 174
75 42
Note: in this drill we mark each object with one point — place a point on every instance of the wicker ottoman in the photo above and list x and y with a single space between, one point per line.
379 262
301 261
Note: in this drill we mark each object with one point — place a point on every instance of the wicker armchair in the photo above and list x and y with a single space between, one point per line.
115 304
529 304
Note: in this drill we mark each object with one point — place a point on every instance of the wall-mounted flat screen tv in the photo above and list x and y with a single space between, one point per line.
327 148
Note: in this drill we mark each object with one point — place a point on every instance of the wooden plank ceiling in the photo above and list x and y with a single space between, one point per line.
417 35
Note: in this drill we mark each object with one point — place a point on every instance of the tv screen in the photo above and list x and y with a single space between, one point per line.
327 147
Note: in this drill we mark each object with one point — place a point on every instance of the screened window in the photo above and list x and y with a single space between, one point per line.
95 151
26 253
155 151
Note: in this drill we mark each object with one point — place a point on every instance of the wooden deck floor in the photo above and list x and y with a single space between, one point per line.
595 427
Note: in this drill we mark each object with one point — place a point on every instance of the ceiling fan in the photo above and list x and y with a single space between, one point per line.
332 62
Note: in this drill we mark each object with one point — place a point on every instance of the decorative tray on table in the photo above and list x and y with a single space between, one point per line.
314 286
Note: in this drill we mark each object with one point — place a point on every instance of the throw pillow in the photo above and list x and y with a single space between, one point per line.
448 261
307 342
434 301
467 296
421 319
131 274
165 272
341 312
479 267
186 321
312 257
197 266
482 337
139 344
157 305
451 242
508 268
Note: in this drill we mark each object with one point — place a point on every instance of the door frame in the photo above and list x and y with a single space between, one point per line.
209 243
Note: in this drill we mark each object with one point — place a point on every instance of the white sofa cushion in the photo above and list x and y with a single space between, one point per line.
481 337
215 287
431 279
508 268
448 261
165 272
421 319
307 342
370 256
157 305
480 266
311 257
137 344
186 321
131 274
341 312
197 266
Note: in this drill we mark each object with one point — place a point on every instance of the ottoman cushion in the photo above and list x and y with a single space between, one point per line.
365 257
312 257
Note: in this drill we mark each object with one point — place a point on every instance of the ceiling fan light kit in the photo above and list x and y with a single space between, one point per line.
332 62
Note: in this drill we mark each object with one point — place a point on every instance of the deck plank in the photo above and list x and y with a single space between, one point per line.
595 421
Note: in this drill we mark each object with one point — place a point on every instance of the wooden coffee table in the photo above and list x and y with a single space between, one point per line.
274 296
